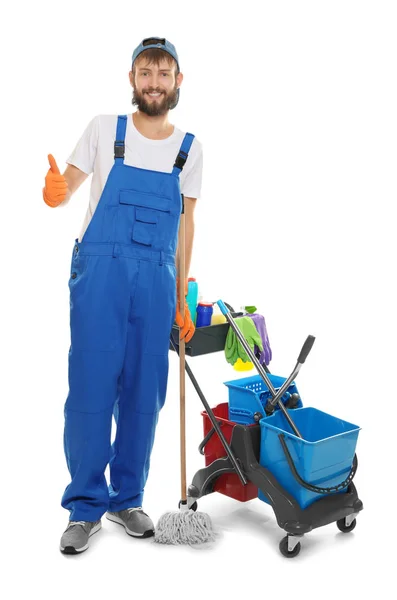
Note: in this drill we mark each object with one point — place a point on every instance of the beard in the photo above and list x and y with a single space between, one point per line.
158 107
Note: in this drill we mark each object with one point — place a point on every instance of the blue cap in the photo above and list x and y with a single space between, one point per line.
155 42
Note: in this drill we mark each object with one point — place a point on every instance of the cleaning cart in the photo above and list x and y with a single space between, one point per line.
264 443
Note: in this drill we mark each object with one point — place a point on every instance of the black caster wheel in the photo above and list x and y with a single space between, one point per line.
346 528
284 548
193 506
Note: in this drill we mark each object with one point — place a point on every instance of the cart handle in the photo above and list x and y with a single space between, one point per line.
309 486
207 438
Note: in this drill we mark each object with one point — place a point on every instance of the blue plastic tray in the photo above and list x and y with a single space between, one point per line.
249 395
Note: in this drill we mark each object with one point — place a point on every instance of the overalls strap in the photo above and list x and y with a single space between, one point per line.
119 145
183 154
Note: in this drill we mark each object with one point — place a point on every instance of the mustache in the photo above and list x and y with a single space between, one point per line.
152 91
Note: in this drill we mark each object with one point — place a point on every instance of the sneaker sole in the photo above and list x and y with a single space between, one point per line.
148 532
73 550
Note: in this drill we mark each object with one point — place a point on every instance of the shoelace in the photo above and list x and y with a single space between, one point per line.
82 523
130 510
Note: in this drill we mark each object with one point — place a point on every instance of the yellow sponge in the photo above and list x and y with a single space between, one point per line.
240 365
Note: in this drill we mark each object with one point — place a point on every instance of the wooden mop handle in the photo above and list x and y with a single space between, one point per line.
181 300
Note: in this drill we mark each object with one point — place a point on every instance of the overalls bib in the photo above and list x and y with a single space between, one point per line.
122 308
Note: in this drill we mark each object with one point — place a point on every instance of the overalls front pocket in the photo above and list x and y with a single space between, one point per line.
144 218
144 229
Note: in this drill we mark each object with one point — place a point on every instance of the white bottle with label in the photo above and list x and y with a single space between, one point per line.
217 316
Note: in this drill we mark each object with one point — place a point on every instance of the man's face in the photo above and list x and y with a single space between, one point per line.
155 87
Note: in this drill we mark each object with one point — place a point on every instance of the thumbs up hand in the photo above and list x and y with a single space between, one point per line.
56 186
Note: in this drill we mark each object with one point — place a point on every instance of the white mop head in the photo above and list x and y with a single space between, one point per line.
184 527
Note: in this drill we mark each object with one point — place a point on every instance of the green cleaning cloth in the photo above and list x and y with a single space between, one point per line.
233 348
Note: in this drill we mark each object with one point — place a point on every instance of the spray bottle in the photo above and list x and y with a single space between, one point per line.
192 297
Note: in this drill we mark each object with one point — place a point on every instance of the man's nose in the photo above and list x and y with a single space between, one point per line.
154 80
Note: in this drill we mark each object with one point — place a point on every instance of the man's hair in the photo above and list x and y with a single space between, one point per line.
155 56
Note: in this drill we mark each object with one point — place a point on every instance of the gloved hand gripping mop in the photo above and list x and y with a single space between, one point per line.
184 526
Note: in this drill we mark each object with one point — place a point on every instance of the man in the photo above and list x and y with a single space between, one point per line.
123 292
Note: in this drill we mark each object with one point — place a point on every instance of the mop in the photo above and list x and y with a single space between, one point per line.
185 526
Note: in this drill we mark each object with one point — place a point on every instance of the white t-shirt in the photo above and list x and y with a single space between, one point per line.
94 154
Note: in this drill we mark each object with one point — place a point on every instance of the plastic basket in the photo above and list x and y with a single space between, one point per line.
322 458
249 395
228 484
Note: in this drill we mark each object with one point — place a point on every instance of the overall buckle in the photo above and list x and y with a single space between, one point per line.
181 159
119 149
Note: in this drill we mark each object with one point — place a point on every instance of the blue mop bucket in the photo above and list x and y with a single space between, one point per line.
323 458
249 395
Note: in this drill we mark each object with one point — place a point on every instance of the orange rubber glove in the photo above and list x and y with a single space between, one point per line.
56 186
186 324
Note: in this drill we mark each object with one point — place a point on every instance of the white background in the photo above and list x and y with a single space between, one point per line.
295 104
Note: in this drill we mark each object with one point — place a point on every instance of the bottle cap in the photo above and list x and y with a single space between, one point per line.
191 279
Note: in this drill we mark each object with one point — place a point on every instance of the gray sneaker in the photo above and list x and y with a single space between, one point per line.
76 536
136 522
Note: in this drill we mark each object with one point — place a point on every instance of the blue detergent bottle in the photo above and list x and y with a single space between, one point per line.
192 297
204 314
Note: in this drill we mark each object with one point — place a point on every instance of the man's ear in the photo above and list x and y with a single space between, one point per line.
179 79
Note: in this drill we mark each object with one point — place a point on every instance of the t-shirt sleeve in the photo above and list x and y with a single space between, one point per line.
84 154
192 181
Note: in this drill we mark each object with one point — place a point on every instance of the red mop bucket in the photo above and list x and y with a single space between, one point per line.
228 484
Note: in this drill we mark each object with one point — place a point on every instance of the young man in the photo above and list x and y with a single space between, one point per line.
123 292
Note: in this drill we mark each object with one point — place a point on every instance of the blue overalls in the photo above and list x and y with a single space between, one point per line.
122 308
